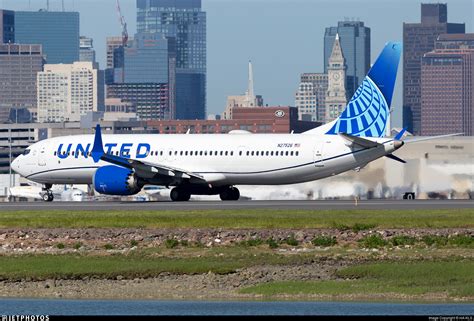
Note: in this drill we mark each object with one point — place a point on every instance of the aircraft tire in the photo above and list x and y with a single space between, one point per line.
179 195
229 194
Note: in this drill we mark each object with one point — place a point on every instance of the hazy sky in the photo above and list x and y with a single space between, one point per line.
283 38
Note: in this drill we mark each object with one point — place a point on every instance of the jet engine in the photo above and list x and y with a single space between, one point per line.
116 180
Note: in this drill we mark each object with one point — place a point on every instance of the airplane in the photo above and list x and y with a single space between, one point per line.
36 192
196 164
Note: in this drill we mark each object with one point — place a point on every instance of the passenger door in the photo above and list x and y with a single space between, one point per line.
42 155
318 154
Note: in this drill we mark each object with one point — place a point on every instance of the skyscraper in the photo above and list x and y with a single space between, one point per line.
447 86
336 97
186 22
418 39
7 26
68 91
57 32
355 43
19 65
86 49
150 60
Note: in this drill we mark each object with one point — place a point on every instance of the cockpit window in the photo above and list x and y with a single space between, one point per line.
26 152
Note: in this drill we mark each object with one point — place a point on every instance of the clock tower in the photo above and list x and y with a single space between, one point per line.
336 99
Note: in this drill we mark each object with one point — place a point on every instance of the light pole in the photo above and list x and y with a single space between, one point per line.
10 158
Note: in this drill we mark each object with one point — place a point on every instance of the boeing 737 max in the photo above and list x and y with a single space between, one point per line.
214 164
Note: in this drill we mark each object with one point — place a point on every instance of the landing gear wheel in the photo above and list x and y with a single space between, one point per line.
179 195
48 196
230 194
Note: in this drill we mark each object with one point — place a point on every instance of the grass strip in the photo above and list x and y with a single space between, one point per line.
75 266
453 278
241 219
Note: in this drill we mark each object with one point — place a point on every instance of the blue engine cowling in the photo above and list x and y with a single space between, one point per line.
116 180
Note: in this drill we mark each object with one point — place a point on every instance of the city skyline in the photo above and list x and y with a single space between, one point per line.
238 31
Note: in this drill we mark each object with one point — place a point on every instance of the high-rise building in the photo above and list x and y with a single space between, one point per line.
114 48
447 87
151 59
247 100
336 97
7 26
418 39
86 49
355 43
455 41
186 22
57 32
310 98
151 99
68 91
19 65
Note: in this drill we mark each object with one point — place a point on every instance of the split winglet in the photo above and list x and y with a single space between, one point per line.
98 149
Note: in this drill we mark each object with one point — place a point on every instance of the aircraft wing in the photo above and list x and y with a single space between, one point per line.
144 169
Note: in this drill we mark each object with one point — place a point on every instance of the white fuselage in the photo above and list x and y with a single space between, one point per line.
227 159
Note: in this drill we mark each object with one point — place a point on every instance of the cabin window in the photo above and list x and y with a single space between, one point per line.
297 153
222 153
286 154
271 153
231 153
240 153
200 153
291 153
266 153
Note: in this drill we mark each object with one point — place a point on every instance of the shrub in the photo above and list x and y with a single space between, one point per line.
324 241
60 246
292 241
133 243
171 243
372 241
184 243
435 240
462 240
77 245
108 246
403 240
272 243
254 242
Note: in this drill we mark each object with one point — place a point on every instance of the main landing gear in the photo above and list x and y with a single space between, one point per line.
230 194
180 195
183 193
47 194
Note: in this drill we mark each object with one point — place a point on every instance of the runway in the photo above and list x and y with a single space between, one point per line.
218 205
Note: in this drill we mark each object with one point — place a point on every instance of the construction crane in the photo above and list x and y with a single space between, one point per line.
123 24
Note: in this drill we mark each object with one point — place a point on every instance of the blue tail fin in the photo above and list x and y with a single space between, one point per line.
367 112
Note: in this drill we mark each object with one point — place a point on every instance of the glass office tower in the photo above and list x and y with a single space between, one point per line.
57 32
184 21
355 43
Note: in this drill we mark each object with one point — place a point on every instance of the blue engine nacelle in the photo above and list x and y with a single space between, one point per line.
116 180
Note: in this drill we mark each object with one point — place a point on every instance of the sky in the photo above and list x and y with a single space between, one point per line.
282 38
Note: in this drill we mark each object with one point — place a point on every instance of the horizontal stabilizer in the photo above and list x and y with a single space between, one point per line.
422 138
359 141
395 158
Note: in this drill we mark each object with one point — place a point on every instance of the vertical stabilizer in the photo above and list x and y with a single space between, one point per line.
368 111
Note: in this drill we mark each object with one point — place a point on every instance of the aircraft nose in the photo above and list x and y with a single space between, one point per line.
15 165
